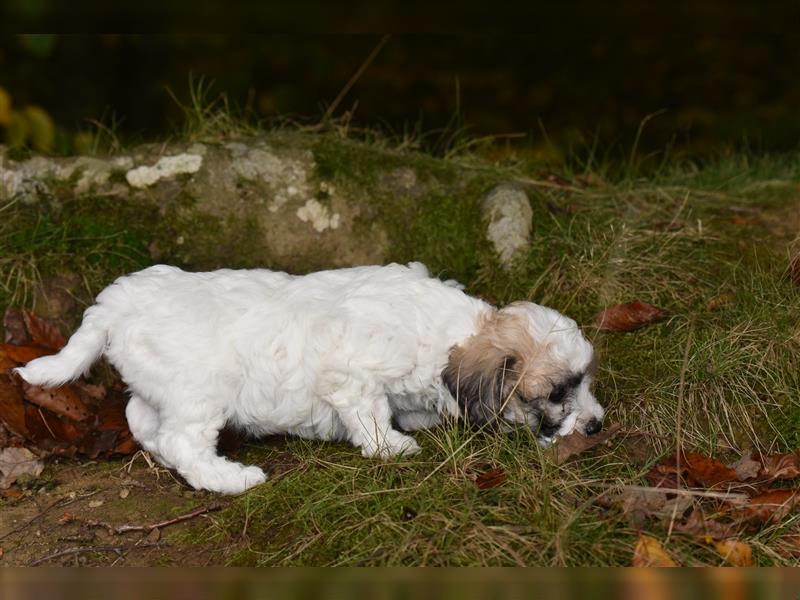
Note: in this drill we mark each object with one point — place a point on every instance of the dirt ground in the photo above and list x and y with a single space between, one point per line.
60 512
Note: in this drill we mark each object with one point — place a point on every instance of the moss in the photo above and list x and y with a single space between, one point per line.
201 241
18 153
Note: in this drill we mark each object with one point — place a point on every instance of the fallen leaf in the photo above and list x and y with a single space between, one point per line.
703 528
74 419
628 317
43 332
124 493
51 433
772 505
22 354
638 505
62 400
96 503
12 407
743 220
591 180
789 545
650 553
720 302
491 478
781 466
746 468
16 462
707 471
575 443
736 553
14 326
696 468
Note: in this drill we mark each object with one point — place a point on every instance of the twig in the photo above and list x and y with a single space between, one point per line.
58 503
119 529
356 76
84 549
729 496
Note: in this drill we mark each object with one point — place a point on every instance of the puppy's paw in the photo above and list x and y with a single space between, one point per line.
392 444
224 477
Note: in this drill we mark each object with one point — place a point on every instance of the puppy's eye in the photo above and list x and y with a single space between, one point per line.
558 395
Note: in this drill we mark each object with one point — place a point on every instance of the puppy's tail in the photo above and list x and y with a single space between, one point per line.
83 348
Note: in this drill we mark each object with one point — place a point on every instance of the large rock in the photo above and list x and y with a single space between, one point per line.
508 214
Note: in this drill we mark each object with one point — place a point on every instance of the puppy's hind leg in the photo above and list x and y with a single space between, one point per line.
366 415
186 441
143 421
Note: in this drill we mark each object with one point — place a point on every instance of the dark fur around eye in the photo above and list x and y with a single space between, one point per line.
558 394
563 389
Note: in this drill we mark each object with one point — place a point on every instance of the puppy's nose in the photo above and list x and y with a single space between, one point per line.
593 426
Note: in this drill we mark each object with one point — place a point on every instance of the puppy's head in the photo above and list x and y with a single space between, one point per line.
526 364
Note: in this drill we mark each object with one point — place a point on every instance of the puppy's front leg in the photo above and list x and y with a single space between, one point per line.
364 411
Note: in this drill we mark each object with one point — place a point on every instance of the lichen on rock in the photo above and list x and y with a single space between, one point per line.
318 215
508 213
166 167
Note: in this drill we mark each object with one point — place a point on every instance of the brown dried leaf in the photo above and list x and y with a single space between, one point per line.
789 545
707 471
14 326
43 332
628 317
12 408
576 443
696 468
719 302
781 466
16 462
62 400
704 529
22 354
773 505
491 478
736 553
746 468
50 433
650 553
639 505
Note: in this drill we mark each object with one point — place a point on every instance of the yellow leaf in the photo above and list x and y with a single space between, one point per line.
42 130
17 129
736 553
650 553
5 107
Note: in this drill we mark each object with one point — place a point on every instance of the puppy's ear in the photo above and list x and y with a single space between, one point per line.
480 384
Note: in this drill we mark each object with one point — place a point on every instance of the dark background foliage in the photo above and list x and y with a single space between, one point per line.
718 75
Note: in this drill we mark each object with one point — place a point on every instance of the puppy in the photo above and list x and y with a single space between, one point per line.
350 354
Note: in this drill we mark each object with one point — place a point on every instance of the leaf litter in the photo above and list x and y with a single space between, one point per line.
77 419
711 502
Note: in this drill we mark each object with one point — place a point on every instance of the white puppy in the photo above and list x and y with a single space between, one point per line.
348 354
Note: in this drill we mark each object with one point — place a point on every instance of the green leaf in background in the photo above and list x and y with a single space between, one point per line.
41 129
17 129
39 44
5 107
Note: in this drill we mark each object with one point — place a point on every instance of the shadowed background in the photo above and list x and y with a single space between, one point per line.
712 76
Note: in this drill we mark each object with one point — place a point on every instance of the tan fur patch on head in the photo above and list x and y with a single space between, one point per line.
501 359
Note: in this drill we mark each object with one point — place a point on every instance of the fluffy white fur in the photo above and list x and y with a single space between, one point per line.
334 355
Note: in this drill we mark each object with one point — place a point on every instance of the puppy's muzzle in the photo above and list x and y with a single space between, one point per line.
593 426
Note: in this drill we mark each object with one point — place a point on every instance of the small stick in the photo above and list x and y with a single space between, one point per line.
356 76
119 529
84 549
730 496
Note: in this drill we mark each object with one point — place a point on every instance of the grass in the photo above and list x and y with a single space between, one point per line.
721 380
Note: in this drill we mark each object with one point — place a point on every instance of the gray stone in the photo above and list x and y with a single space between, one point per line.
508 214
